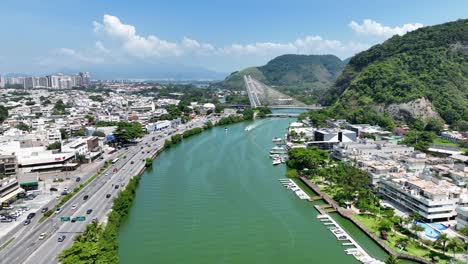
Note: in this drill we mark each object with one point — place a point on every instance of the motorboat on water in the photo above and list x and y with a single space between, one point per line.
276 139
277 150
276 162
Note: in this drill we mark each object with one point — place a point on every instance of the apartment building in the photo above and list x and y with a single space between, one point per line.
433 199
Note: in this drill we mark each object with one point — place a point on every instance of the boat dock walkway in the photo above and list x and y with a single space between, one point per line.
353 247
291 185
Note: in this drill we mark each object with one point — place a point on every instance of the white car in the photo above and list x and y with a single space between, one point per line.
58 210
65 189
42 236
74 207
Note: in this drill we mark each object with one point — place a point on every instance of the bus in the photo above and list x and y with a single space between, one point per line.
115 160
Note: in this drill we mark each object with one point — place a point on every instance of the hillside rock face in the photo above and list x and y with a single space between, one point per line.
420 74
420 108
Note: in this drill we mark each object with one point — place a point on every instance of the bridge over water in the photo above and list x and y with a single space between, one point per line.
261 94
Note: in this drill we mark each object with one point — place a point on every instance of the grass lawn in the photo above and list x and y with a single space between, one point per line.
444 142
372 223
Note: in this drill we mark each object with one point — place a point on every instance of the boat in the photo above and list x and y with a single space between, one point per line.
283 159
276 139
277 150
274 156
276 161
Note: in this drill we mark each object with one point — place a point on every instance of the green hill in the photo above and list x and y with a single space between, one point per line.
301 76
408 77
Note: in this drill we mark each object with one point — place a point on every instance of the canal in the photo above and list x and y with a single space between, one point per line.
215 198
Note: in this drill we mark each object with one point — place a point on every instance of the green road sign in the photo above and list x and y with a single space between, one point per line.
80 218
65 218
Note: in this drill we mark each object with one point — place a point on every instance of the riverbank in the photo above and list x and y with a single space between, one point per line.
348 214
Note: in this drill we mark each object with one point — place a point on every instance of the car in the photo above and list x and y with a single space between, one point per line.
124 157
132 162
142 152
78 179
45 209
85 197
64 193
73 220
42 236
31 215
108 195
7 220
26 222
61 238
53 189
116 187
58 210
141 147
74 207
148 151
89 211
65 189
119 180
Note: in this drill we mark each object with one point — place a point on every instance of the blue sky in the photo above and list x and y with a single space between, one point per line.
49 35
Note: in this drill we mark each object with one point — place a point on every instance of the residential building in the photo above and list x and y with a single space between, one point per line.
8 165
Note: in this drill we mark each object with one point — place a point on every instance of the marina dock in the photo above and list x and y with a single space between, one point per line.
291 185
353 247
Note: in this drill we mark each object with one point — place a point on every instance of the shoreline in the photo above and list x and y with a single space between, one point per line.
347 215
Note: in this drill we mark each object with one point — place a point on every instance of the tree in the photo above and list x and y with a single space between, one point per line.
392 260
464 230
416 229
63 133
435 125
3 113
60 108
442 241
79 133
55 145
22 126
219 108
91 119
402 243
99 133
248 114
128 131
455 245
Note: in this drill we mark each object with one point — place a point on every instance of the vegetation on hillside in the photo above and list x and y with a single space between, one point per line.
431 62
301 76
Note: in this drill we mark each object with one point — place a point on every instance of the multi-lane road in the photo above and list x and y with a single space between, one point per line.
27 248
252 91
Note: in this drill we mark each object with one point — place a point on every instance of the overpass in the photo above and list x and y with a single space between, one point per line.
282 115
261 94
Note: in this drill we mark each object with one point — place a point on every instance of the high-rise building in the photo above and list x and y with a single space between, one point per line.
86 78
2 81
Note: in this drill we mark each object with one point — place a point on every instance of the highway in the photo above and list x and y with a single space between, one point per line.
27 248
251 91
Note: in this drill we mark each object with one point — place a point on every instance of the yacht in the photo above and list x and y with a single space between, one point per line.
276 162
277 150
276 139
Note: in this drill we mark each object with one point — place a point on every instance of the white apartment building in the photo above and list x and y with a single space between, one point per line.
435 200
462 217
78 146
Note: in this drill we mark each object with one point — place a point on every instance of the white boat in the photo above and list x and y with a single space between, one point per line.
275 156
276 139
277 150
276 161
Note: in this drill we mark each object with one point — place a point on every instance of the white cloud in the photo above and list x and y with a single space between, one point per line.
133 43
371 27
100 47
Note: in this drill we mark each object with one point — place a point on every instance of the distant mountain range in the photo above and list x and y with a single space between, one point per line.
141 70
304 77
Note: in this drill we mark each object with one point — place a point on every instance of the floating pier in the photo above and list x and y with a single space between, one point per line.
291 185
357 251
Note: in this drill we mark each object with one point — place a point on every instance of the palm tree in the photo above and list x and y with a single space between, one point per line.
455 245
442 240
392 260
416 229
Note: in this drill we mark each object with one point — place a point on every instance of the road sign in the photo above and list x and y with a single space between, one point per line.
65 218
80 218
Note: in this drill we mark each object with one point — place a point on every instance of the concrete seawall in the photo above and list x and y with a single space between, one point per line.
348 215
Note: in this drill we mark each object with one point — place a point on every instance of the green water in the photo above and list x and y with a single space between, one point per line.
215 198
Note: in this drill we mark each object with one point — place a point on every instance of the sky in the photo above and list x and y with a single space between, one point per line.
45 36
